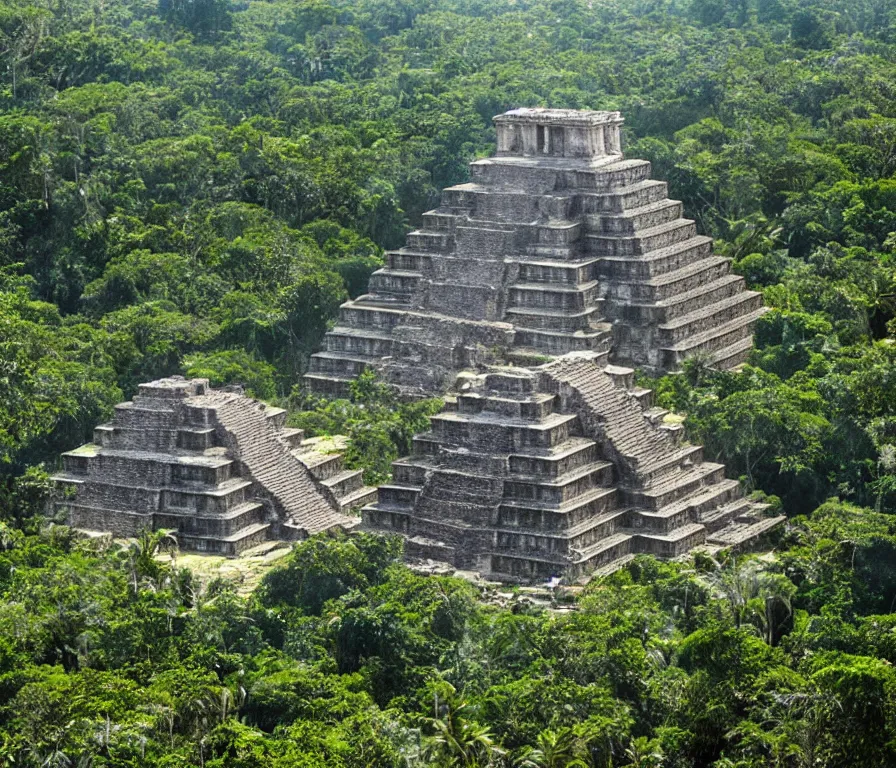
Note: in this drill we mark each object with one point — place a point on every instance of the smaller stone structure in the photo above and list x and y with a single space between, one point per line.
559 471
218 467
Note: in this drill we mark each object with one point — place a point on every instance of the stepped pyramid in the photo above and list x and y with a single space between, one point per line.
558 471
557 245
218 467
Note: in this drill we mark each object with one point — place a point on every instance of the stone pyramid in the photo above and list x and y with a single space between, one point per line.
557 245
219 468
558 471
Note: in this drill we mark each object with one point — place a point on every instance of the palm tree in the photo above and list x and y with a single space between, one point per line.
554 749
459 741
643 753
142 554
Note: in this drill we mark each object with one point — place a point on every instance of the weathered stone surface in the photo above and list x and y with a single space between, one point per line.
557 471
217 466
558 244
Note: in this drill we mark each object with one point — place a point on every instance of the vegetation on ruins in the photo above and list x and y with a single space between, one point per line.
196 186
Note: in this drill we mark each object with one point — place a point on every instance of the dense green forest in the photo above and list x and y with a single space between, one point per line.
194 186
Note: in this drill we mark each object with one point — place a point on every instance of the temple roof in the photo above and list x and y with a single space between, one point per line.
571 117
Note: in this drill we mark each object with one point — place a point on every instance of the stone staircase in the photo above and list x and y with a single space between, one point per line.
323 458
557 253
557 471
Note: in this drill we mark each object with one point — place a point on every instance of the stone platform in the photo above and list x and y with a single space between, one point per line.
558 244
218 467
558 471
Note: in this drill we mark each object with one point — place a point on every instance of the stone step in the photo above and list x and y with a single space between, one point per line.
359 341
621 173
535 406
188 522
344 482
397 497
571 253
637 219
501 434
717 518
737 534
691 508
625 198
292 436
712 340
643 396
383 301
605 550
562 489
409 472
231 546
406 260
569 320
355 314
557 272
322 465
560 343
621 375
510 380
675 432
575 452
430 241
360 497
595 501
378 516
542 176
441 220
672 284
754 513
676 487
689 303
646 266
670 462
645 241
656 415
672 544
712 316
732 356
340 364
558 233
599 512
394 281
552 296
501 204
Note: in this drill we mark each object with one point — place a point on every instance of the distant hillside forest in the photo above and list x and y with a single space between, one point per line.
194 186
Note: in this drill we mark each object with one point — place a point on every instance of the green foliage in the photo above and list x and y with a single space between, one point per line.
196 185
379 426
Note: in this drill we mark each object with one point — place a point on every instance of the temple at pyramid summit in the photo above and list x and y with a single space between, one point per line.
558 244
